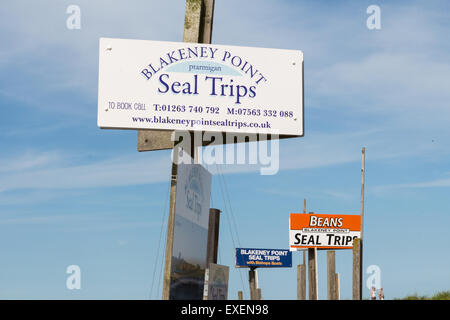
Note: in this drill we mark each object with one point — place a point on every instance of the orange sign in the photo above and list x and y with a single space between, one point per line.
325 231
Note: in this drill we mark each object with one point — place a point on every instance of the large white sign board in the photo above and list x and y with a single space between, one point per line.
201 87
190 232
193 193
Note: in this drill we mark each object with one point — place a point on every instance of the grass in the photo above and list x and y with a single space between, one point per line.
442 295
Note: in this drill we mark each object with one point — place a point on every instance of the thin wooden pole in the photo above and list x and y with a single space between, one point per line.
170 225
356 285
301 271
304 252
312 268
240 295
363 174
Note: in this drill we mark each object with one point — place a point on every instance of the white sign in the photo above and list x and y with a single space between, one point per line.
199 87
193 193
216 282
325 231
190 232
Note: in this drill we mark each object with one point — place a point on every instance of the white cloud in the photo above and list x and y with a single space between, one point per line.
126 170
436 183
46 170
30 160
386 82
122 243
46 219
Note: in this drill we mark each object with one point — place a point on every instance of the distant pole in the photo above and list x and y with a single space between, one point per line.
363 175
363 172
312 268
304 211
240 295
301 271
357 279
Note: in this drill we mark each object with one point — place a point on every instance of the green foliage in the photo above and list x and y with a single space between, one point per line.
442 295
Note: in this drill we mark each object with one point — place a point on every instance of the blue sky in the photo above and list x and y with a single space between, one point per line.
71 193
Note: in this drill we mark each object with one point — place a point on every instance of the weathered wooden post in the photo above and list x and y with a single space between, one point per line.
338 290
331 275
301 280
213 236
240 295
356 287
253 283
312 268
212 246
312 274
170 225
301 272
363 174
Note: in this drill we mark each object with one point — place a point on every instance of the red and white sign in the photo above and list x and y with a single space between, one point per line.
324 231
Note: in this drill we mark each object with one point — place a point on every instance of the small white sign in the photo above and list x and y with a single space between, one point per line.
193 193
199 87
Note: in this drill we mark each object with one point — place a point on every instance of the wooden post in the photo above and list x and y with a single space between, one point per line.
206 21
363 174
301 281
240 295
301 271
170 226
312 274
252 283
195 17
312 268
331 275
338 290
259 293
213 236
213 242
356 287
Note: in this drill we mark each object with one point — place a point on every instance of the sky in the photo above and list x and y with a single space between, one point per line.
74 194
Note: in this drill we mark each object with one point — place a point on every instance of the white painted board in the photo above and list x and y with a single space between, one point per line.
200 87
